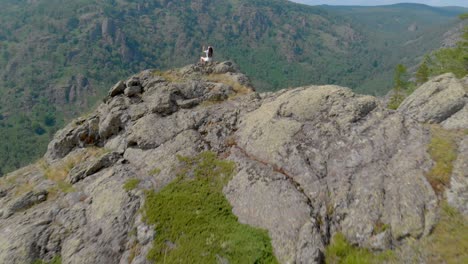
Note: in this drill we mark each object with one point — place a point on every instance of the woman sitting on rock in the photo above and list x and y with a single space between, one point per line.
209 55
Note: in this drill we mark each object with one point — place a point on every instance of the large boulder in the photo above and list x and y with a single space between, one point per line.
79 133
443 99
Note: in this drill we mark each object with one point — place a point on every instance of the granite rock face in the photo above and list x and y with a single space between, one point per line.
441 100
310 162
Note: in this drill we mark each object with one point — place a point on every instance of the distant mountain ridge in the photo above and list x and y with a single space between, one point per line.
449 4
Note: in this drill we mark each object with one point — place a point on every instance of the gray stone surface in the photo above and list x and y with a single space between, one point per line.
132 91
117 89
310 162
78 173
265 198
438 100
24 202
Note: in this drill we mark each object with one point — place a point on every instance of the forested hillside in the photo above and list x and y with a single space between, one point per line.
403 33
57 57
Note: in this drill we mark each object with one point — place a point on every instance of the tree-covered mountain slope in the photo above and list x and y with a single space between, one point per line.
403 33
57 57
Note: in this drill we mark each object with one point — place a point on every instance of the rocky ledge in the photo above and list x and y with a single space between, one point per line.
310 162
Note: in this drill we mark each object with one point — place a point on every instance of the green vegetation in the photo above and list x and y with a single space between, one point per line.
194 221
154 171
380 227
453 60
422 75
400 89
59 57
131 184
448 242
63 187
340 251
401 33
443 150
58 172
55 260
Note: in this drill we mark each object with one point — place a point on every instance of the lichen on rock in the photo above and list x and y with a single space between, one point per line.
311 162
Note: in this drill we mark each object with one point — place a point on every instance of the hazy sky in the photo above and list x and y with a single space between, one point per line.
385 2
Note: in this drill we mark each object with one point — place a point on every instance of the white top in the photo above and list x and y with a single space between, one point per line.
207 59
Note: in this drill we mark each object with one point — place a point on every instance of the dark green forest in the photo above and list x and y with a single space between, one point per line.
59 57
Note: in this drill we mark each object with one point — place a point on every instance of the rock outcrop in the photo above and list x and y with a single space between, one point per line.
310 162
441 100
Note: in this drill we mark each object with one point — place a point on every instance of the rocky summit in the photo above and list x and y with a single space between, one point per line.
310 162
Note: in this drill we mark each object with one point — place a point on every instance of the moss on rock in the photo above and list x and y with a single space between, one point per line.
194 221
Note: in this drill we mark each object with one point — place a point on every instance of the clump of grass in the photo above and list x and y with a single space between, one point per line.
223 78
61 187
448 242
194 221
443 150
9 180
134 251
342 252
170 76
380 227
58 172
131 184
55 260
23 188
395 101
154 171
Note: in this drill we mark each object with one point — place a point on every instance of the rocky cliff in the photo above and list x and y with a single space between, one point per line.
310 162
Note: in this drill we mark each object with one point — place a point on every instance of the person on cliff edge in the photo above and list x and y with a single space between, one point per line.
209 55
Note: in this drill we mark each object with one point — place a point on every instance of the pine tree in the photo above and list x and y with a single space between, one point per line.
400 85
422 75
398 78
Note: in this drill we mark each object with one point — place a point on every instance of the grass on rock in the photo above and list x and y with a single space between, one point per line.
448 242
154 171
58 172
443 150
194 222
55 260
340 251
131 184
223 78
